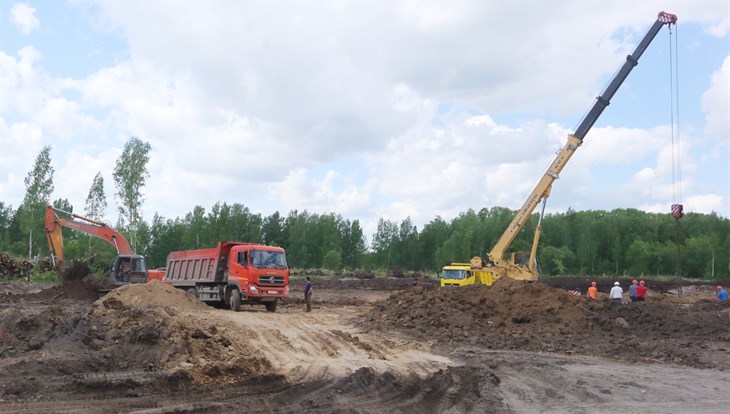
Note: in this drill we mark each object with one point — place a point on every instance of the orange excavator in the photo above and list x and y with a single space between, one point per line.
127 267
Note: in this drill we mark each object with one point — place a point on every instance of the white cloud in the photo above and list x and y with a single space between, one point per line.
705 203
438 110
716 103
24 17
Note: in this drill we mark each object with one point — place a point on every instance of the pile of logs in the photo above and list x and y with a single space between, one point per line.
14 268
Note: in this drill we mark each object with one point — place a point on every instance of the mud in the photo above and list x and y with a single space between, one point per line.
370 346
535 317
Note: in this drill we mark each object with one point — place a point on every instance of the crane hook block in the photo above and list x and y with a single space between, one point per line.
677 211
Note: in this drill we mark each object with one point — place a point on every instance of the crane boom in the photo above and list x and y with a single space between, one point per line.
541 192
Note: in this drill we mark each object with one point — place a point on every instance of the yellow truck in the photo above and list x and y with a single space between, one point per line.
462 274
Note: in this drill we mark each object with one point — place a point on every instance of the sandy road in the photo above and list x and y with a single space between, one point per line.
324 345
553 383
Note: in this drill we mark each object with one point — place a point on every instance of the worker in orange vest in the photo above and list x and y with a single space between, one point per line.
593 291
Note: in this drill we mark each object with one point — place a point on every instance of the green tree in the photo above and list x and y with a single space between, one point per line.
130 176
332 260
433 235
38 189
6 217
384 243
297 252
272 230
96 199
353 244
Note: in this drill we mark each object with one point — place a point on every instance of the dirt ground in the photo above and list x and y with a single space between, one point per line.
369 346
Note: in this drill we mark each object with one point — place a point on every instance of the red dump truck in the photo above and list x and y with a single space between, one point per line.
231 273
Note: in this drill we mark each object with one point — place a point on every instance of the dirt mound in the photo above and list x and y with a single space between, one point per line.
156 324
77 271
153 293
518 315
473 311
151 335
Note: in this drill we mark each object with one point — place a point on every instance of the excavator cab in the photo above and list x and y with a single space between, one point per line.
127 269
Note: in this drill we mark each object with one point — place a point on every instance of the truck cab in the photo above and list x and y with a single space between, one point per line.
259 272
462 274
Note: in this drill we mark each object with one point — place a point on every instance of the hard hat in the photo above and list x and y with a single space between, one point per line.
634 281
593 283
615 283
641 283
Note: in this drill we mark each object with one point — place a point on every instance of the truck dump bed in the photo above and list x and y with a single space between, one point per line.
199 266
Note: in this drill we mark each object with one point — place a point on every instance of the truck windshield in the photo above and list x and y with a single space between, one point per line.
266 258
454 274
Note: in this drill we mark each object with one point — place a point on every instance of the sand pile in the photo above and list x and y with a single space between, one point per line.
156 325
148 327
153 293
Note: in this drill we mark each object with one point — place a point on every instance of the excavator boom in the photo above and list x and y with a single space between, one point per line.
54 223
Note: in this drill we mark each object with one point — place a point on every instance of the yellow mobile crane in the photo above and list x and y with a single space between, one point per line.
523 266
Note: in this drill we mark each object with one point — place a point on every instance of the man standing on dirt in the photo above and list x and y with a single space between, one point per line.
641 292
632 290
593 291
616 294
721 294
308 294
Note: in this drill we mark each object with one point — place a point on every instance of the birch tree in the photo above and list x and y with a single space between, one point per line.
130 176
38 189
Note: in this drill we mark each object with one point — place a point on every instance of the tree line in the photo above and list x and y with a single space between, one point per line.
593 243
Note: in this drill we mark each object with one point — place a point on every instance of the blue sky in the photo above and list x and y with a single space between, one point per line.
366 109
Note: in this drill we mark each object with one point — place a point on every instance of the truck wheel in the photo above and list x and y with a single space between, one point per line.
271 306
235 300
194 292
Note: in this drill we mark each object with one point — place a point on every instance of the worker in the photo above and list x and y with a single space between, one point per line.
616 294
721 294
641 292
593 291
632 290
308 294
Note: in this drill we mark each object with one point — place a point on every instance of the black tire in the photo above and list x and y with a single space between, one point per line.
193 292
271 306
235 300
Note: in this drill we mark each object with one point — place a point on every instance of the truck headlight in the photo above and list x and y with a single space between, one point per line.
253 289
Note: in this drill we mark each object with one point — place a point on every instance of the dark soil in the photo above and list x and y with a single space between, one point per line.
515 315
150 347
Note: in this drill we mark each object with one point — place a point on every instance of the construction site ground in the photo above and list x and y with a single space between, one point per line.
368 346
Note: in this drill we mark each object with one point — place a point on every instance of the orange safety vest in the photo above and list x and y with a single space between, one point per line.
593 292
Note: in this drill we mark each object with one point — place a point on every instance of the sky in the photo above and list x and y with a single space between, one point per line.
368 109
